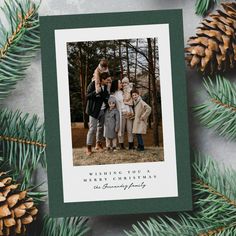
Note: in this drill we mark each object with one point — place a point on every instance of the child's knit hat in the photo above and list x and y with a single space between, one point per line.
112 99
125 80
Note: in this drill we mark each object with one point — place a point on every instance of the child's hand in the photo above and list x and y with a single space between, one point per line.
142 118
98 89
116 130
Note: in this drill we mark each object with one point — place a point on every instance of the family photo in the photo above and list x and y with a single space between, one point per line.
115 101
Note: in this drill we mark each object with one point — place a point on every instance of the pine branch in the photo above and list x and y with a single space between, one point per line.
203 6
64 226
214 212
22 143
219 112
19 42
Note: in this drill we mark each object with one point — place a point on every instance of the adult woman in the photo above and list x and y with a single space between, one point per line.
116 91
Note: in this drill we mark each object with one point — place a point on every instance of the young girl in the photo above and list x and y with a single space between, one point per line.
142 111
102 68
112 124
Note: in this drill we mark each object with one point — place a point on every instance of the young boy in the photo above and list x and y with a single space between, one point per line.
142 111
112 124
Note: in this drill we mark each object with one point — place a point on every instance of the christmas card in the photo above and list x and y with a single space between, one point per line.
116 113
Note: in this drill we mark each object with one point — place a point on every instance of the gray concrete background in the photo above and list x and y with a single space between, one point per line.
28 94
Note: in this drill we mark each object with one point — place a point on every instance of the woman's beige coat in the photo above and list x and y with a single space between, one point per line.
142 111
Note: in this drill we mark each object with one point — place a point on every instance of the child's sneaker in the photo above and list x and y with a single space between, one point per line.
114 149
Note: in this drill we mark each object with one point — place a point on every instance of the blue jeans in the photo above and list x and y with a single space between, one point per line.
140 139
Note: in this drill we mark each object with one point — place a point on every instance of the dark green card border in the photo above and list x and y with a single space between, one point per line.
56 205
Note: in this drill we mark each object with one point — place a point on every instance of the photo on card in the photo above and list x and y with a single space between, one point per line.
129 130
116 113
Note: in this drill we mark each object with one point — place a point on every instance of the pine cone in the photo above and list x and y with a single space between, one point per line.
214 48
16 209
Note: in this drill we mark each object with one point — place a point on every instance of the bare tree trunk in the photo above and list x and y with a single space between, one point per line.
127 58
154 55
114 58
121 65
149 100
149 79
136 63
154 93
155 47
85 116
105 49
83 85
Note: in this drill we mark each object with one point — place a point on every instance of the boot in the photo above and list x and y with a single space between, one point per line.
140 148
89 150
131 146
108 149
99 146
122 147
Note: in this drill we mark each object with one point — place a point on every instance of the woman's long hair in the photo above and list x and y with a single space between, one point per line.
114 85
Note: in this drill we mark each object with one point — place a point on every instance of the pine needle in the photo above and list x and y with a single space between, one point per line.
74 226
19 41
219 111
214 210
22 143
202 7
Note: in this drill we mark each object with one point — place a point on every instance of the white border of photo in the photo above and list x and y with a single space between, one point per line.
165 183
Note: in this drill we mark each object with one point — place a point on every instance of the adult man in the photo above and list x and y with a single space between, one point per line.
97 103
